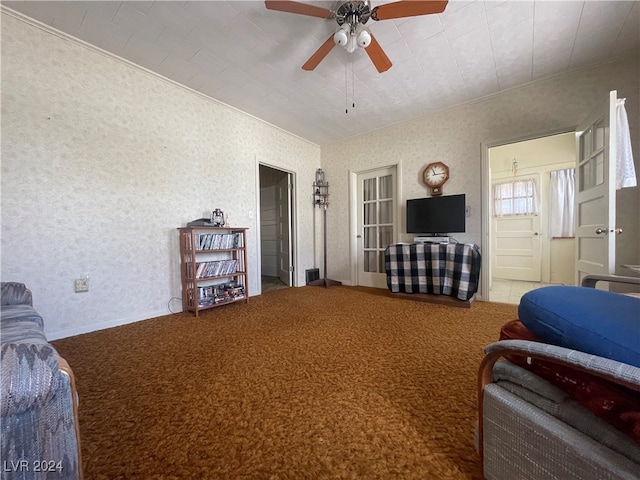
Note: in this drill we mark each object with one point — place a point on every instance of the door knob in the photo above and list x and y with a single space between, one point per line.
601 231
358 236
536 233
617 230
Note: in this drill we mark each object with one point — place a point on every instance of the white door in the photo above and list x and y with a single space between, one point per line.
283 239
516 251
596 193
515 236
268 231
376 199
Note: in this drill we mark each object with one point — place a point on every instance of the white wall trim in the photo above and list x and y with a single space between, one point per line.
353 227
258 236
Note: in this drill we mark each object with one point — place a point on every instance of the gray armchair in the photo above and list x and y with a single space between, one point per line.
529 429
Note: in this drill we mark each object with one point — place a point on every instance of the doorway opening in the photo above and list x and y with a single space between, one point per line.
276 227
521 253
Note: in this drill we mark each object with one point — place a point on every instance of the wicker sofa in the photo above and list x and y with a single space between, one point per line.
39 421
535 428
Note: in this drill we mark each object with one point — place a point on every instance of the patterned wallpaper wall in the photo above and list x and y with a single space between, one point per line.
102 161
456 136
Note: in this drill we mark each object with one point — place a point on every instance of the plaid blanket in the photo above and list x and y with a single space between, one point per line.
447 269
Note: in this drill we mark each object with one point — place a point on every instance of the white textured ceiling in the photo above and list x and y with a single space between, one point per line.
246 56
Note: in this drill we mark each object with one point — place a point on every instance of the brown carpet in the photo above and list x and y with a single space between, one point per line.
301 383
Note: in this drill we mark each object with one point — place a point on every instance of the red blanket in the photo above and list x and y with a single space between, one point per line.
617 405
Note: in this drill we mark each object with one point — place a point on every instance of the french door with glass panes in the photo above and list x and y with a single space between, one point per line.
596 193
376 224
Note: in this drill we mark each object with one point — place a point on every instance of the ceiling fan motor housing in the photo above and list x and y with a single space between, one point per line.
353 13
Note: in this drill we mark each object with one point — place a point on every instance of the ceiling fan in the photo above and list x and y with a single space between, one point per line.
351 18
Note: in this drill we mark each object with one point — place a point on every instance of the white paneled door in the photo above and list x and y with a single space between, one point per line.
284 244
376 201
516 252
596 194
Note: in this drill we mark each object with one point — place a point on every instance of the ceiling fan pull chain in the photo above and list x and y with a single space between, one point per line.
353 84
346 89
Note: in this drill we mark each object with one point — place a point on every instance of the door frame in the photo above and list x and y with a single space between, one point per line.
485 207
353 210
293 200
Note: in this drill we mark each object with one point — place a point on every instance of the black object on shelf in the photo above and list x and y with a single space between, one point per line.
201 222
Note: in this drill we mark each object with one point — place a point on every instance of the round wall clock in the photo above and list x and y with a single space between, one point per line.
434 176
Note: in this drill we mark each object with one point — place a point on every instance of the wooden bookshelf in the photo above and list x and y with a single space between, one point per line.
213 265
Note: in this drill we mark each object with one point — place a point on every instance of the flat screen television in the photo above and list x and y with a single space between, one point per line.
436 215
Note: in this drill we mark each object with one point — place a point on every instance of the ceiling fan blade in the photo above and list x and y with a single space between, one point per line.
299 8
322 52
410 8
377 56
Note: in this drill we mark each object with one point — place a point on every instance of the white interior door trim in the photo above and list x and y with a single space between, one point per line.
295 261
485 222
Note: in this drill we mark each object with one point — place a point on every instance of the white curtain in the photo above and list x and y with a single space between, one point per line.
625 170
518 197
561 203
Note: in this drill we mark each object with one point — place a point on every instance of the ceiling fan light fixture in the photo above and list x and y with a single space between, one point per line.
364 38
341 37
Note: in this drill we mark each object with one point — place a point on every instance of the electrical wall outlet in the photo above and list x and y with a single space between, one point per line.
82 284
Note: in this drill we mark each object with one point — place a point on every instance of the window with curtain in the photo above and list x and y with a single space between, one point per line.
561 203
517 197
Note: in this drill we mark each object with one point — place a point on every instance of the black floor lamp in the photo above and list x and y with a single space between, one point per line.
321 199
